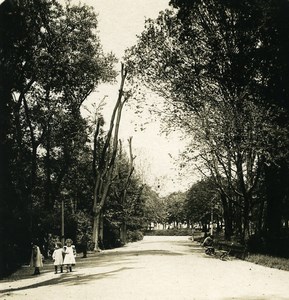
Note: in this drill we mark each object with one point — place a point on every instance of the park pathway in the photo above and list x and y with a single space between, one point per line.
158 268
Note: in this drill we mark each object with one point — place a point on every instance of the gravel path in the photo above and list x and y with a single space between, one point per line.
155 268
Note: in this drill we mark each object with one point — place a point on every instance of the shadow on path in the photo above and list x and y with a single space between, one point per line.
102 259
68 279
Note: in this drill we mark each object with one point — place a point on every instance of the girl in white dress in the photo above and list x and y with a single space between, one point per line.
58 257
70 253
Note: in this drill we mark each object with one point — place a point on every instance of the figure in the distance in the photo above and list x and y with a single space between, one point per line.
208 244
36 259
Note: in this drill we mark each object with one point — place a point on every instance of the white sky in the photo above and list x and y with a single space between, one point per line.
119 23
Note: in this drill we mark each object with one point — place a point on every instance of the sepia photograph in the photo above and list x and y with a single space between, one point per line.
144 149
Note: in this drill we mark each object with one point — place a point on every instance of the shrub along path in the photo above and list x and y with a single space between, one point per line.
156 268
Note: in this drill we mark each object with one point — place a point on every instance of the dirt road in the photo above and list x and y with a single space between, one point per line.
155 268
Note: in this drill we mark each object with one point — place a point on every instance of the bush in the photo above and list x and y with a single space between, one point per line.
134 236
170 232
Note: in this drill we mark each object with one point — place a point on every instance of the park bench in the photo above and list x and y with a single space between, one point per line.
211 250
233 249
225 249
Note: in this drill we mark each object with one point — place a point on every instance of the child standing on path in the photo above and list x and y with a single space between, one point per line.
58 257
36 259
70 253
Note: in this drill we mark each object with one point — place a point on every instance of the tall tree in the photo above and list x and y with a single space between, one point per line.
175 208
51 60
201 201
155 207
210 59
103 167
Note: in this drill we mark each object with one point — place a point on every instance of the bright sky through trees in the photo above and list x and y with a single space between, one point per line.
119 24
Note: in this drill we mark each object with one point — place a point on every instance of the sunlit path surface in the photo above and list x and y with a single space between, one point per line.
155 268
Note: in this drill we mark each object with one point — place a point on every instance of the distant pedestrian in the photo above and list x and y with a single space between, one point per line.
84 244
193 232
209 241
208 244
36 259
70 253
58 257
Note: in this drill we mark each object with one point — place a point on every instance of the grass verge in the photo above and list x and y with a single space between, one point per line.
269 261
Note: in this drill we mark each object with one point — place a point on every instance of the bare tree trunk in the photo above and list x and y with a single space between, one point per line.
123 233
227 207
95 231
104 171
123 228
100 231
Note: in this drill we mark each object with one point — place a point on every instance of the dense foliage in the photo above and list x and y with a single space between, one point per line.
223 67
51 60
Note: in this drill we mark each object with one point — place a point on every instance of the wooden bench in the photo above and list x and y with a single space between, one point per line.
233 249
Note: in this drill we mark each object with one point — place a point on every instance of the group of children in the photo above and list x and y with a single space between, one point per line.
62 256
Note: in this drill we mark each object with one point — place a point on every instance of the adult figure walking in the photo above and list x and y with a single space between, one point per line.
36 259
84 244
